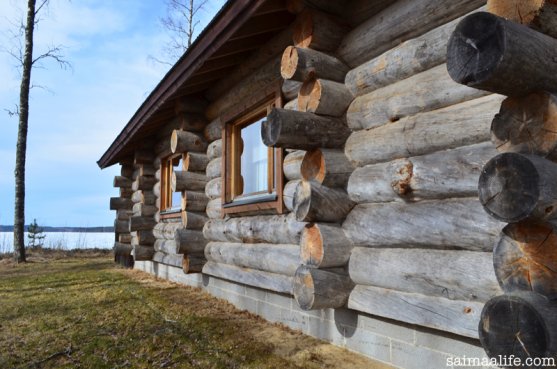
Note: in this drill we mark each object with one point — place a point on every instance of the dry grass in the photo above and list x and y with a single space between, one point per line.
87 313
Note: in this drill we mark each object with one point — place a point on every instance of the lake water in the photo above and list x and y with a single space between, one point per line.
64 240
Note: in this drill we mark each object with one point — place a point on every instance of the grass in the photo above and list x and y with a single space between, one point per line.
88 313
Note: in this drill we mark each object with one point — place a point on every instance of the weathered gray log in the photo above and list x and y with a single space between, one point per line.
300 64
214 208
453 274
291 105
183 180
214 168
527 125
162 148
144 183
143 156
194 201
257 278
288 193
525 258
328 167
454 223
314 202
291 164
443 174
123 214
213 130
520 326
493 54
278 229
122 182
189 241
166 246
126 192
455 316
324 97
537 14
118 203
214 150
146 169
184 141
304 131
460 125
290 89
157 190
190 104
125 238
141 223
426 91
195 162
273 258
324 246
357 11
121 226
193 263
142 210
191 220
316 289
213 189
144 197
166 231
515 187
143 253
318 31
143 237
401 21
126 170
122 248
174 260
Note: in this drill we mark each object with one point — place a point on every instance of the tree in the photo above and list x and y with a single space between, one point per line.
35 234
24 56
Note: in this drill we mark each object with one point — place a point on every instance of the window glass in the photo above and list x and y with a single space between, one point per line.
254 159
176 196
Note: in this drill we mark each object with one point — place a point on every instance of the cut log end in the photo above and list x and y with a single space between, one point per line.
302 33
302 201
311 246
270 129
309 95
289 62
303 288
313 166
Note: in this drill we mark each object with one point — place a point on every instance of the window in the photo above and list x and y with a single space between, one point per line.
253 176
170 201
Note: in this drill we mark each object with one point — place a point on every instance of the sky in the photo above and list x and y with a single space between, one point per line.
80 111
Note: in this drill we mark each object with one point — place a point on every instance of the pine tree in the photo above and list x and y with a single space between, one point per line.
35 234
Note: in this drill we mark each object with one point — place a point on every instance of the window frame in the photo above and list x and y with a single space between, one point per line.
167 168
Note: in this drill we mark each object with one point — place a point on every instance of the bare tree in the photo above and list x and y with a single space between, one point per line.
24 57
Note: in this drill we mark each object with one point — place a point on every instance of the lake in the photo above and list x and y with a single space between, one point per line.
63 240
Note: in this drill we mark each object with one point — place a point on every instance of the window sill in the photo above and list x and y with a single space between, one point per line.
171 213
255 199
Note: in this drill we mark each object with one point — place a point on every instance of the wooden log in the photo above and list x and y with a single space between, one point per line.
189 241
213 130
214 209
520 326
317 203
143 237
332 7
174 260
214 150
192 122
142 210
324 246
426 91
273 258
251 277
183 180
537 14
190 104
162 148
279 229
328 167
123 215
288 193
527 125
157 190
118 203
126 170
126 192
358 11
124 238
324 97
525 258
144 197
141 223
143 156
303 131
460 125
166 231
443 174
195 162
213 189
300 64
193 264
144 183
316 289
191 220
291 105
121 226
290 89
143 253
478 57
122 248
318 31
166 246
184 141
214 168
453 274
455 316
401 21
441 224
122 182
515 187
292 163
194 201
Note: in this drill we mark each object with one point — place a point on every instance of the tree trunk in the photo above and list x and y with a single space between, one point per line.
316 289
300 64
328 167
324 97
314 202
324 246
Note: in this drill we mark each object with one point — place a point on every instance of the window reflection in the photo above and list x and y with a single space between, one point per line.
254 159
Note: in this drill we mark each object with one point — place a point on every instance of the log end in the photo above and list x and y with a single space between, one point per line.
289 62
311 246
303 288
309 95
518 11
271 128
313 166
173 141
302 33
302 202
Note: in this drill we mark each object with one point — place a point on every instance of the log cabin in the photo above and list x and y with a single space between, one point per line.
377 174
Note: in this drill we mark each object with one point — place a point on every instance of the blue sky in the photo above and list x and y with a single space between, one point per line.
108 43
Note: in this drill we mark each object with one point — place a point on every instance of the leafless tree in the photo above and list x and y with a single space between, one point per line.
24 56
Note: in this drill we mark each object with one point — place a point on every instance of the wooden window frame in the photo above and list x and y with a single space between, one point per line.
234 122
166 210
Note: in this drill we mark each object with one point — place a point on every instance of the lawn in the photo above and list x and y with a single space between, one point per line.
89 313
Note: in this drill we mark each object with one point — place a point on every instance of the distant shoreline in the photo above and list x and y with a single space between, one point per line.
110 229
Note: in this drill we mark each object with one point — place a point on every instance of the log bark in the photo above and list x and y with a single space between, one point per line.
122 182
118 203
515 187
443 174
460 125
143 253
525 258
292 163
166 246
324 97
192 122
189 241
290 89
357 11
195 162
304 131
444 224
455 316
214 150
279 229
288 193
401 21
124 238
190 104
213 189
143 237
316 289
126 192
291 105
213 130
214 168
122 248
324 246
328 167
143 156
144 197
332 7
192 220
162 148
318 31
174 260
527 125
520 325
257 278
141 223
194 201
166 231
300 64
184 141
273 258
121 226
144 183
493 54
193 264
126 170
183 180
214 209
142 210
423 92
314 202
537 14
